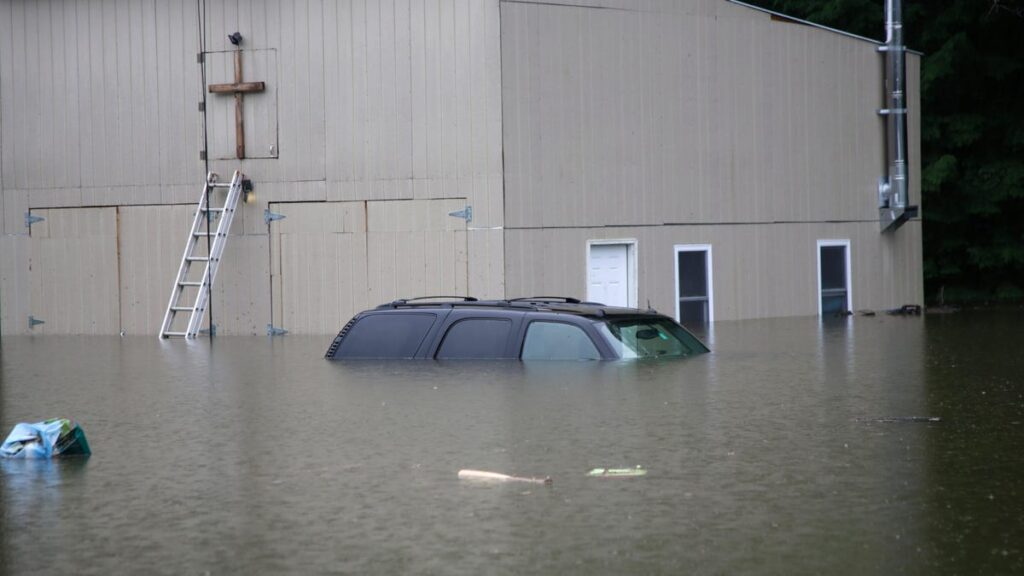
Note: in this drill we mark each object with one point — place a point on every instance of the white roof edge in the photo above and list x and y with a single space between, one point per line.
813 25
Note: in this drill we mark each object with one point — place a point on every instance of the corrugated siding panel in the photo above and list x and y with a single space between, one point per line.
318 263
487 255
6 102
415 96
415 249
151 243
759 270
15 204
640 117
399 100
14 284
902 263
151 240
74 271
241 299
97 96
179 90
295 32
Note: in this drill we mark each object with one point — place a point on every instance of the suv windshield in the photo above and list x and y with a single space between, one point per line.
649 338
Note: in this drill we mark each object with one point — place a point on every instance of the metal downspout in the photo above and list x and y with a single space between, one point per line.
893 201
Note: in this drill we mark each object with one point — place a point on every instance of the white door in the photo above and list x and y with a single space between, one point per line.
608 274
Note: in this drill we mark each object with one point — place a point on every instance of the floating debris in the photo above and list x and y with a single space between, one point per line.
46 439
905 310
485 476
897 419
617 472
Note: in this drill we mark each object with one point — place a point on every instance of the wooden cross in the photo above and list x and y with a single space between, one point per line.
238 88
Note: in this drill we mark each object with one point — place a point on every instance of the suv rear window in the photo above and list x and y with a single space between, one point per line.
480 338
386 336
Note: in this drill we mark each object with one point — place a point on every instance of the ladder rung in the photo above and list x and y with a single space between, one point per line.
225 214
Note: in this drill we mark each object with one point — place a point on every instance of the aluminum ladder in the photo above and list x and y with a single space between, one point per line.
186 281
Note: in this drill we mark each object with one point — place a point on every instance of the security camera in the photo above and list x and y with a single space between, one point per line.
236 38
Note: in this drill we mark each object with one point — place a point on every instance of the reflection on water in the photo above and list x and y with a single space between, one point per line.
769 455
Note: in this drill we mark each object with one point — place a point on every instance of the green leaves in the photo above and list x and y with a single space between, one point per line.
942 170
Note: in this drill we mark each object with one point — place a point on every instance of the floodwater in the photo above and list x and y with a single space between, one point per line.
785 451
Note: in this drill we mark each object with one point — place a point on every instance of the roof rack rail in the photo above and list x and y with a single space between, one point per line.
564 299
424 300
462 298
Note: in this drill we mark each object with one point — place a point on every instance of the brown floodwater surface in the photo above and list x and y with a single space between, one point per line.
796 446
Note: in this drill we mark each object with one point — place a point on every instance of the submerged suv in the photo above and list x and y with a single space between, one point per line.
539 328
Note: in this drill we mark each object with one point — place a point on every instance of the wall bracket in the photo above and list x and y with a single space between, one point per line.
30 219
466 214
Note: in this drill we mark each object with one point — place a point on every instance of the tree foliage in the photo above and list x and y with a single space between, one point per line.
972 133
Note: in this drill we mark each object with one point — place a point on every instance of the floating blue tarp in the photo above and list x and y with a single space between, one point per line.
56 437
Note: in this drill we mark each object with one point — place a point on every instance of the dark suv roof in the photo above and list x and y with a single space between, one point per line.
446 327
535 303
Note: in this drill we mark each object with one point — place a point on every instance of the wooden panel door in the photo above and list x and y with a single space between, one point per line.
74 271
318 265
416 248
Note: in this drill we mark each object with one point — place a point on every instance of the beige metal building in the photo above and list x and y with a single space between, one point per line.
706 158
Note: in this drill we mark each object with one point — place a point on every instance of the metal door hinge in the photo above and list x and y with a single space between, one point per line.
202 154
272 331
202 106
200 58
212 330
33 322
466 214
30 219
269 216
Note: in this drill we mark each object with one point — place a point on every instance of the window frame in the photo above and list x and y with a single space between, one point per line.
828 243
709 266
454 315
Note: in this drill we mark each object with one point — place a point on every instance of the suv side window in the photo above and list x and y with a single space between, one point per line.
385 336
479 338
558 341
